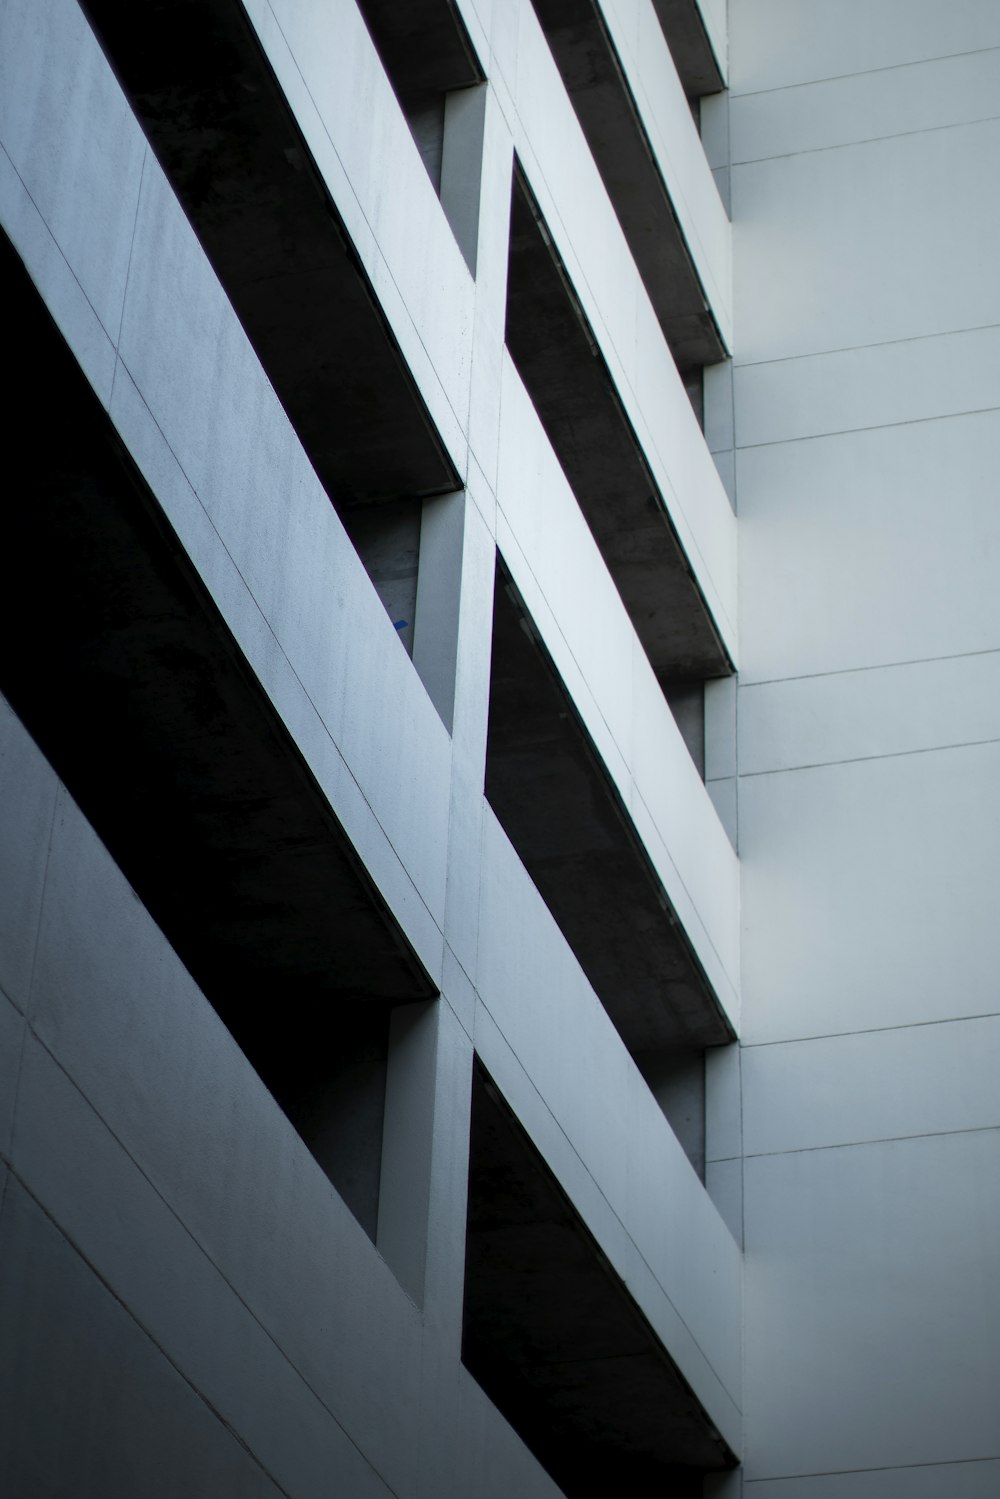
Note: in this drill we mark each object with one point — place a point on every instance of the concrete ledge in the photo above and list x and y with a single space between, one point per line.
558 570
547 1042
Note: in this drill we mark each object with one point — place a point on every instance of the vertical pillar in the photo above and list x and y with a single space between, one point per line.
461 166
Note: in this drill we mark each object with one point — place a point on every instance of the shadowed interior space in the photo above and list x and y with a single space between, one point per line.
556 1340
606 108
557 357
121 667
548 786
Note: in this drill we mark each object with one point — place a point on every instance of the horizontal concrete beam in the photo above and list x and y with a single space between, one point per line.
122 667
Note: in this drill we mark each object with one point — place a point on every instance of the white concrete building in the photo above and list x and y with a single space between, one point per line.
500 749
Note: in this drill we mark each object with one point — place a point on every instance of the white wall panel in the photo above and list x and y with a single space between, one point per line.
838 1090
869 893
873 1328
858 715
913 380
869 548
864 136
885 240
865 106
774 43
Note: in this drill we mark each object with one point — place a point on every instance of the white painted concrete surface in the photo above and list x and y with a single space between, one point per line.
863 140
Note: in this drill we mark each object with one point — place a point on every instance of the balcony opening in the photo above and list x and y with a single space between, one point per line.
556 1340
121 667
574 395
551 792
233 153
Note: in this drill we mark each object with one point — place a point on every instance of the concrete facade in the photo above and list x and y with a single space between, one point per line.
500 803
868 799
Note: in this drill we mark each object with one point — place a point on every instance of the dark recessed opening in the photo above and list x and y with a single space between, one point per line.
612 123
557 1341
574 395
549 788
121 667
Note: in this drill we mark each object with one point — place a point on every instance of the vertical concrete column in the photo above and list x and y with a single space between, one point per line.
461 166
460 541
491 292
422 1214
474 642
439 585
